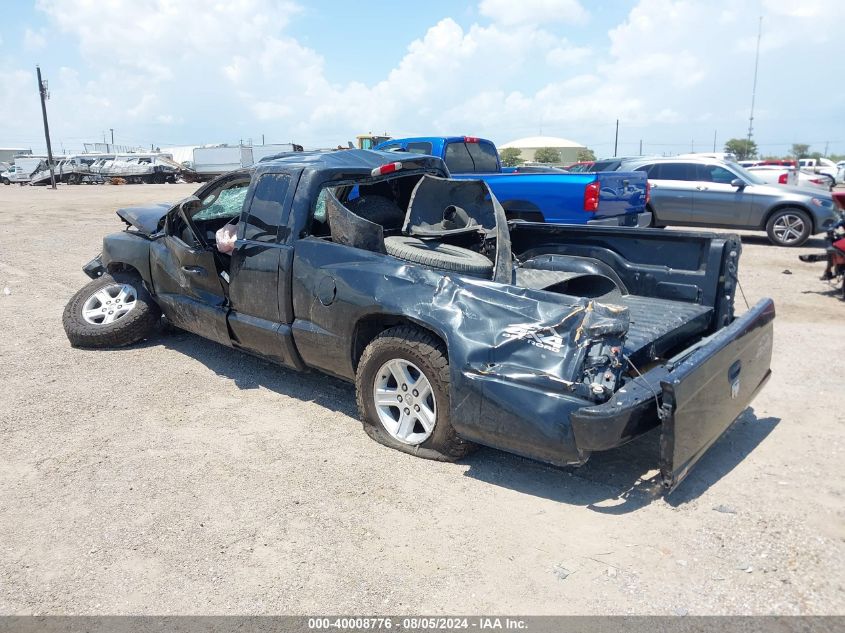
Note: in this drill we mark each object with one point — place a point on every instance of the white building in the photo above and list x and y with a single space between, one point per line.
8 153
528 146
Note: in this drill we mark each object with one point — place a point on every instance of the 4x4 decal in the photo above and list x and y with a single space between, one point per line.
540 336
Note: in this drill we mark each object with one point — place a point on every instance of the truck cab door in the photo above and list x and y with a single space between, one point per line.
186 277
260 272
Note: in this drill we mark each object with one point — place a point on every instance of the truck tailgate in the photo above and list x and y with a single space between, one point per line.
621 192
705 391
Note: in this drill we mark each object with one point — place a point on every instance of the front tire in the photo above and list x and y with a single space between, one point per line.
402 389
112 311
789 227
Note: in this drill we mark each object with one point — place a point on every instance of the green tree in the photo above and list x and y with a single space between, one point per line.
742 148
510 157
800 150
547 155
586 154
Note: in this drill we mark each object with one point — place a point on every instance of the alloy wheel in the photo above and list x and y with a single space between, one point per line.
788 228
405 401
109 304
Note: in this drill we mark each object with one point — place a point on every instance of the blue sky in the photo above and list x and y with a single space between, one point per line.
172 72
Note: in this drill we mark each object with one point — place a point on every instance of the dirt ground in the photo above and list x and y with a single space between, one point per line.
180 477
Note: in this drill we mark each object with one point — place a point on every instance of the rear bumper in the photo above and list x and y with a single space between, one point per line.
638 220
695 397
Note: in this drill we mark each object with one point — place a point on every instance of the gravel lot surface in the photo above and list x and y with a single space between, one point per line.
180 477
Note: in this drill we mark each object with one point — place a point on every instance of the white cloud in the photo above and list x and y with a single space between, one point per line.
669 68
34 40
513 12
566 56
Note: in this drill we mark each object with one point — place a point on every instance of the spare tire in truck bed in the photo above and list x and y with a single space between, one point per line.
438 255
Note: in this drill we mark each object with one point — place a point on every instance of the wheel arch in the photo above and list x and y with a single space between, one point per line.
121 267
522 210
368 327
127 251
790 205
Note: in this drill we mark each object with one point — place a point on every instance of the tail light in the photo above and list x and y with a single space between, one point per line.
818 181
647 192
591 197
782 179
470 139
389 168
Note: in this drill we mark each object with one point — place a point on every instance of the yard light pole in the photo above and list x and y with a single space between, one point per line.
754 86
616 140
42 90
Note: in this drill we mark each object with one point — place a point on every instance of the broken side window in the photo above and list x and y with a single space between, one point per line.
267 209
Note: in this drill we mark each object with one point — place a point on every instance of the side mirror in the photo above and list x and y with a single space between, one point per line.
739 183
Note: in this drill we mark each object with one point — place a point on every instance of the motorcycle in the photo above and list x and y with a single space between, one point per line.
834 254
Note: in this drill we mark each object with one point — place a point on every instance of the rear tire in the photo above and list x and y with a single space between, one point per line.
789 227
91 319
423 358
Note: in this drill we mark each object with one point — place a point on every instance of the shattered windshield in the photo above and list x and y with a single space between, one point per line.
224 204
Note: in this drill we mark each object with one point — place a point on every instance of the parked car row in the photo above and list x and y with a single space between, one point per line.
95 169
75 169
698 191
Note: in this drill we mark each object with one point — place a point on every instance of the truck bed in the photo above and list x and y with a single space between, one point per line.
660 325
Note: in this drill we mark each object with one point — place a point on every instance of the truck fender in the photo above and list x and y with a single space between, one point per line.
127 249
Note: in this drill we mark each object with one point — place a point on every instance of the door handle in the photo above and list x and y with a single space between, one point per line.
652 185
194 270
700 188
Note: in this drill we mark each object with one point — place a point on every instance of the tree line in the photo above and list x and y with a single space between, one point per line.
512 156
744 149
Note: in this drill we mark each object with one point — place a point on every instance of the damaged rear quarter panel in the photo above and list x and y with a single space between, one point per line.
516 355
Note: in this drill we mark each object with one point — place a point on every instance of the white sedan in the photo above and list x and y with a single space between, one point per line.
780 175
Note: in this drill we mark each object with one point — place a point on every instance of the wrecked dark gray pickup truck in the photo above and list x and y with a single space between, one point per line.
548 341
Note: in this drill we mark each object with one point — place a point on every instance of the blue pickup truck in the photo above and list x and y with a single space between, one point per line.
614 198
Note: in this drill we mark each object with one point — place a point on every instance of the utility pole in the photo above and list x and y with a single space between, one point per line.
754 86
262 139
692 146
42 90
826 143
616 140
111 129
641 147
714 141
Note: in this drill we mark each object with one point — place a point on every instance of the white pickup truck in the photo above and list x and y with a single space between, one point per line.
822 166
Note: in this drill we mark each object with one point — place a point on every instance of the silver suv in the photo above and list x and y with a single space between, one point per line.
713 193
